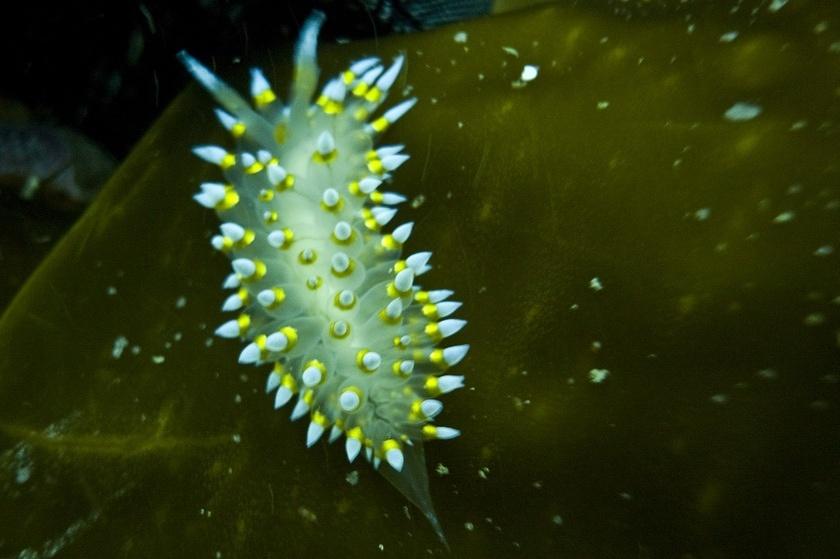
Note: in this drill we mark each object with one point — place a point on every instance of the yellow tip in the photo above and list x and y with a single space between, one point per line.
291 337
264 98
228 161
230 200
244 322
380 124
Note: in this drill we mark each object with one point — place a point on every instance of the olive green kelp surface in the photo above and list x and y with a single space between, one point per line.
645 236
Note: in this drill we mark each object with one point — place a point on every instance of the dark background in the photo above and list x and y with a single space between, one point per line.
108 69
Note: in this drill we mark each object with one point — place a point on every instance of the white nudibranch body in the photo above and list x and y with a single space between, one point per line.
321 291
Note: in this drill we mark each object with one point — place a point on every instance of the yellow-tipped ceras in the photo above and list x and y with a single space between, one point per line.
321 290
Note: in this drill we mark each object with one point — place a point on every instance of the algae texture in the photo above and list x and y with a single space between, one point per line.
645 236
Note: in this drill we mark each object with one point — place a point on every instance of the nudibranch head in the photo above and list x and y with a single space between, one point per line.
320 289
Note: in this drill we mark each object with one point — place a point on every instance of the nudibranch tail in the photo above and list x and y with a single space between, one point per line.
320 290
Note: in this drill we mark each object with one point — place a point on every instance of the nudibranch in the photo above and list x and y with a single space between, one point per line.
321 291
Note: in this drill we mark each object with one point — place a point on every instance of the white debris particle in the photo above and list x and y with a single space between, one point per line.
177 336
799 124
352 478
768 374
784 217
111 290
814 319
381 547
821 27
52 547
460 37
519 403
776 5
596 346
236 438
208 342
529 72
180 302
597 376
819 405
119 346
602 105
511 51
557 520
469 526
441 470
54 430
702 214
728 37
483 472
307 514
741 111
824 250
158 359
719 399
135 350
22 464
595 284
